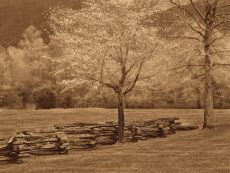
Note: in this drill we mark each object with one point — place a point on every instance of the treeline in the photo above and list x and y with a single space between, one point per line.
30 78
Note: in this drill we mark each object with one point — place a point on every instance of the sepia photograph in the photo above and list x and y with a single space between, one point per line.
114 86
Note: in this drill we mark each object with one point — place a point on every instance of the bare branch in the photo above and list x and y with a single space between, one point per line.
197 31
108 85
188 12
220 23
136 79
197 10
131 67
140 59
107 70
148 77
198 76
115 60
216 39
224 6
219 64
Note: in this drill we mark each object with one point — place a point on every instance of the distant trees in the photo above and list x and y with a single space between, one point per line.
45 98
28 63
8 97
106 44
34 52
25 66
205 22
4 73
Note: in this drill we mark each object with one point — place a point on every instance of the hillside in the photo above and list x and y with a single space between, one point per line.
16 15
167 20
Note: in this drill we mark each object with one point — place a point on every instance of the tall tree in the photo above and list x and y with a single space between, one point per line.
34 50
28 65
206 22
4 72
106 43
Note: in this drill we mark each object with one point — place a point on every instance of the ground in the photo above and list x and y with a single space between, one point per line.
185 152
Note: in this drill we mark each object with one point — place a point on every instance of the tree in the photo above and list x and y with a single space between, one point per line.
45 98
27 63
206 22
106 43
4 72
34 50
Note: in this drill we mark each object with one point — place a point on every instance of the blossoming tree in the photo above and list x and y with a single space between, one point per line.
105 43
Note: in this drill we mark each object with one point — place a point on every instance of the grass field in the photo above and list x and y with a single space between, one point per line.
185 152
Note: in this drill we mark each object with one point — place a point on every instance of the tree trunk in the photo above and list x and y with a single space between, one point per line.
198 101
208 95
121 118
198 104
125 102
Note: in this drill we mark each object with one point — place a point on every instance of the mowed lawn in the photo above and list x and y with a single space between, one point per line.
185 152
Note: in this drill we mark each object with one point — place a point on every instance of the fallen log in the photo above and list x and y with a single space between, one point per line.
3 147
42 143
79 131
110 128
10 151
106 140
43 152
186 128
84 136
82 147
61 126
82 143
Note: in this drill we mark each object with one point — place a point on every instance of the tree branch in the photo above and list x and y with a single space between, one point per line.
224 6
188 12
220 23
140 59
216 39
195 30
136 79
197 10
108 85
219 64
